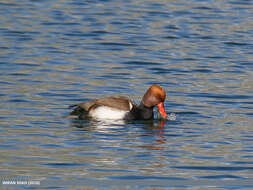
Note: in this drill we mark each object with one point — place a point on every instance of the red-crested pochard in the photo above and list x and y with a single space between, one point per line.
120 107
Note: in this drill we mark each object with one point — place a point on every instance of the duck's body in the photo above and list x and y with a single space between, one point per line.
120 107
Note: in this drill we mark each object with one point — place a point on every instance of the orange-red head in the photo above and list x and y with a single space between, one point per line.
155 96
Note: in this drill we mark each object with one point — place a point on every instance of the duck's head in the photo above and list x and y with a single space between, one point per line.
155 96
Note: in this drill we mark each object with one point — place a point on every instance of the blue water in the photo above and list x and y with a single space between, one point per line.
57 53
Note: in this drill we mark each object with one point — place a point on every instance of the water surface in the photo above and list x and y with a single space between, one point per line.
54 54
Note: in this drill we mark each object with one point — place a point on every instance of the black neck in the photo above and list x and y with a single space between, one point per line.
141 112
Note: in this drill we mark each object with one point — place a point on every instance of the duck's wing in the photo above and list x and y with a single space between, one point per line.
117 102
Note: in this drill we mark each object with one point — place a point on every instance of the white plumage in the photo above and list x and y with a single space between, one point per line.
104 113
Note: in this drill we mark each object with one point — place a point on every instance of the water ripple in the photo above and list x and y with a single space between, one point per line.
53 55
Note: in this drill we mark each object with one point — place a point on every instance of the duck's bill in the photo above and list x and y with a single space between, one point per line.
162 111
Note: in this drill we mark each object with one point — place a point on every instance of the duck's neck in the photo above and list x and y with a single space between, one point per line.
141 112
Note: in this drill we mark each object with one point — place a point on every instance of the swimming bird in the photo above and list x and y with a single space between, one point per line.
120 107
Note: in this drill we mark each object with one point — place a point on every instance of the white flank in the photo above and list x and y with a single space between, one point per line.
104 112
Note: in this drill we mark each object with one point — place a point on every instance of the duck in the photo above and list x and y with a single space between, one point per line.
121 107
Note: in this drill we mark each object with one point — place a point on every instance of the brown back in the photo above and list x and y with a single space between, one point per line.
117 102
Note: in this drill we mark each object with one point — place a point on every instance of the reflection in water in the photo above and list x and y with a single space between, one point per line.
138 143
156 130
153 129
90 124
